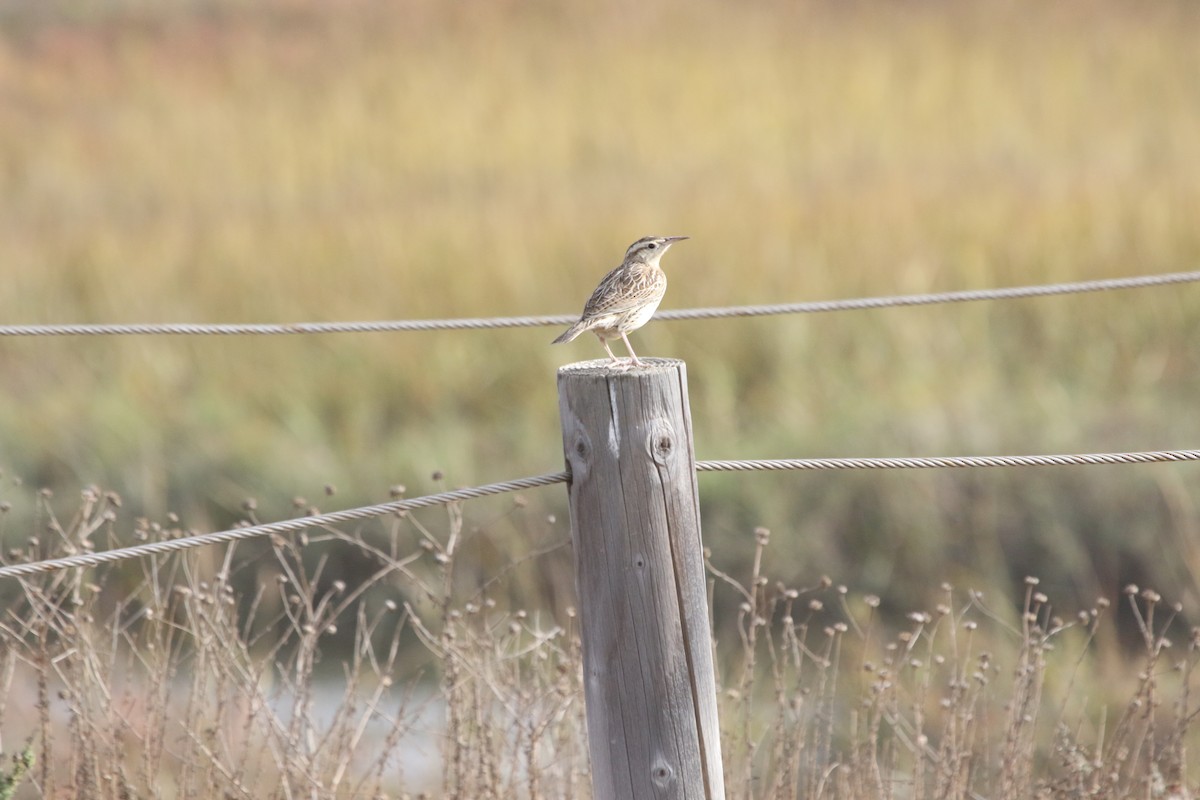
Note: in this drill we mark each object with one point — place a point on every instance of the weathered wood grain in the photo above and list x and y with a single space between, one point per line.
635 520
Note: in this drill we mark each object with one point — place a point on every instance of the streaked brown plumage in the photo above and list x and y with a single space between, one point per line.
627 297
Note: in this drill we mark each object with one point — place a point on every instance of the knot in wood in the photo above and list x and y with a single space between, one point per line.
662 441
579 452
661 774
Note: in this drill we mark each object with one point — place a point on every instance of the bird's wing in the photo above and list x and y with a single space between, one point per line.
625 288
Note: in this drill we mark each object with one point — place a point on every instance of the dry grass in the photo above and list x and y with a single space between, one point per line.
254 672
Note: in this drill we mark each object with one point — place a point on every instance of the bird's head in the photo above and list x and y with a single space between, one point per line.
649 249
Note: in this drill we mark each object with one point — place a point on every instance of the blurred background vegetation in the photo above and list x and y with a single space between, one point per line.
298 161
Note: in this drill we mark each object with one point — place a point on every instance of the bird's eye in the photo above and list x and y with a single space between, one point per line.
652 246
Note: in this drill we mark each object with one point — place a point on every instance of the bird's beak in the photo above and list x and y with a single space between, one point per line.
672 239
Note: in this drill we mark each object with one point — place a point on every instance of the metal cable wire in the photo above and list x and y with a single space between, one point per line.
442 498
281 329
478 323
283 526
971 295
1148 457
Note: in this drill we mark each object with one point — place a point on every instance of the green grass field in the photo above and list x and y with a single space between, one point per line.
293 162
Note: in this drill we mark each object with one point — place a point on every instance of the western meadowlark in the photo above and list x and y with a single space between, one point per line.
627 297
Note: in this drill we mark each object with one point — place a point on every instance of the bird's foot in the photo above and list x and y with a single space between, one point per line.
624 364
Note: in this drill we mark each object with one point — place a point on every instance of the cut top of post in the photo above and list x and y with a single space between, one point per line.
605 367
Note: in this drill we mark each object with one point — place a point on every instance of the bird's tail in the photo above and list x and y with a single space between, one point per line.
571 332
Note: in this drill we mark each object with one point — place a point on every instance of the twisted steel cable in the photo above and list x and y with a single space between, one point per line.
283 526
971 295
1147 457
443 498
480 323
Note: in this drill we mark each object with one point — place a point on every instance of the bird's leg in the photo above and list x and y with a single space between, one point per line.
629 347
607 349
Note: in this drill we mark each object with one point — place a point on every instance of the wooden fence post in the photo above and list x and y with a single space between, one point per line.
649 683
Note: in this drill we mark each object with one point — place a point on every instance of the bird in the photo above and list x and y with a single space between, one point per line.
626 298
